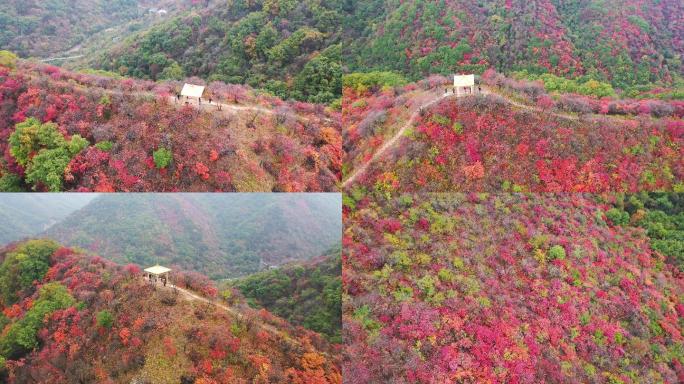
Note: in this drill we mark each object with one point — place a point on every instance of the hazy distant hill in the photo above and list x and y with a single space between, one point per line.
214 234
43 28
23 215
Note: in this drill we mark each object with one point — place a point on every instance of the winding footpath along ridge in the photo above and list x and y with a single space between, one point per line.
232 108
266 327
61 58
206 106
437 98
390 143
228 107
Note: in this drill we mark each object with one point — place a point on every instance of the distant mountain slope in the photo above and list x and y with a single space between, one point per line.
88 320
306 294
218 235
287 47
627 42
42 28
24 216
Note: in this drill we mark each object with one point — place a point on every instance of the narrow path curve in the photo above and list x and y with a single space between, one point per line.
194 297
391 142
205 106
267 327
60 58
566 116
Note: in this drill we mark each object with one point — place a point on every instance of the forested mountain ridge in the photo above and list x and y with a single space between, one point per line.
68 317
304 293
288 47
207 233
625 42
300 49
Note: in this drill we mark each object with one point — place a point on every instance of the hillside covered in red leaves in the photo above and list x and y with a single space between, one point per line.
72 131
625 42
514 136
506 288
68 317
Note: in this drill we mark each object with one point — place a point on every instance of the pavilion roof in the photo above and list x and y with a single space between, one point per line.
157 270
464 80
192 90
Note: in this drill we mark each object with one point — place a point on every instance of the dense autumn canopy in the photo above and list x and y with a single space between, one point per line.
514 288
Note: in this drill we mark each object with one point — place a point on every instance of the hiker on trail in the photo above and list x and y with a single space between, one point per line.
199 100
210 100
454 90
178 97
